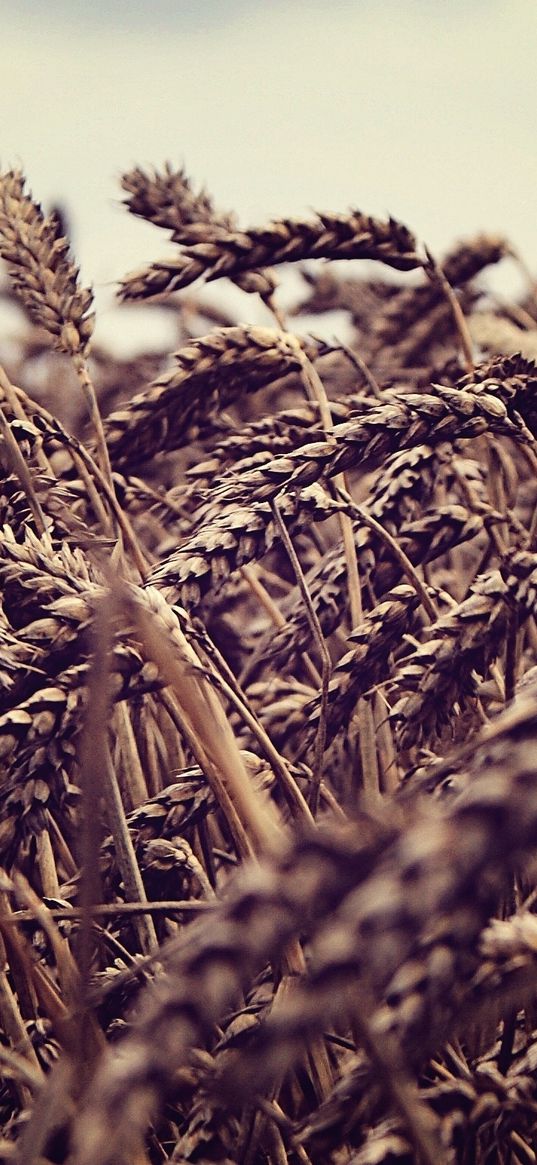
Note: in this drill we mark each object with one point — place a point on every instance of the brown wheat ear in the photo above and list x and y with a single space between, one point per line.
43 273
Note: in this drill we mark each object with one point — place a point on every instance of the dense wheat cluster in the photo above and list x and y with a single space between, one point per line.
268 685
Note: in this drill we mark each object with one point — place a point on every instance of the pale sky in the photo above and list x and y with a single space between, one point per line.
425 109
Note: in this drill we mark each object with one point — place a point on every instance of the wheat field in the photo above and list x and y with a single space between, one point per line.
268 731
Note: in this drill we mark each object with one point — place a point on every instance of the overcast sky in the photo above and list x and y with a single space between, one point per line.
425 109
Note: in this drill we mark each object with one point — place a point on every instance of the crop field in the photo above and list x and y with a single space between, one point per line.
268 684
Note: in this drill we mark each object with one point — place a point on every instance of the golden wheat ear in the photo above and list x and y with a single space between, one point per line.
168 199
288 240
42 271
46 281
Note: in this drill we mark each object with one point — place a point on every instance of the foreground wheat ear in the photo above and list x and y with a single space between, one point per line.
268 701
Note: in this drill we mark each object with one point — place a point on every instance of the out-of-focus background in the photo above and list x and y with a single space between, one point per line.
425 109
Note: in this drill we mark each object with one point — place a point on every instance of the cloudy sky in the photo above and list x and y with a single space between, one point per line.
425 109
